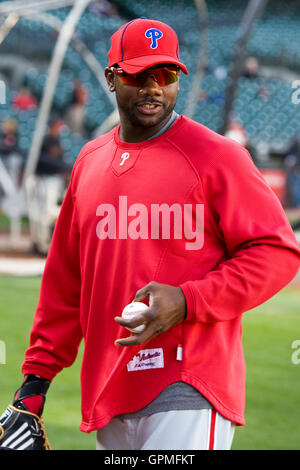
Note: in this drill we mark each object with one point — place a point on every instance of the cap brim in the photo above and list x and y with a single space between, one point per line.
139 64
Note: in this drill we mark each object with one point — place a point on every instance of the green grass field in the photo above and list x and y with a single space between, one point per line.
272 388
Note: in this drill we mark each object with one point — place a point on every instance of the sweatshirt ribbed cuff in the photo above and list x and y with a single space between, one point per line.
190 301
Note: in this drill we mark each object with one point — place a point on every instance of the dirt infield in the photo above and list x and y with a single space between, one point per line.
21 266
17 259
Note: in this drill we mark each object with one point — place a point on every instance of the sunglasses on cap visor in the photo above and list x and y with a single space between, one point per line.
162 75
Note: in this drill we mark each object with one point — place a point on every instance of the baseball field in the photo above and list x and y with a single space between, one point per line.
273 373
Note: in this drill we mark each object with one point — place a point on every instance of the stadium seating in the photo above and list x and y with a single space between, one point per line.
267 117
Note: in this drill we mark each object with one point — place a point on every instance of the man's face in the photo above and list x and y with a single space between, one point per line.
144 108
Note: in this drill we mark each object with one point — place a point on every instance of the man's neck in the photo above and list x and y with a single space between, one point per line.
171 119
166 126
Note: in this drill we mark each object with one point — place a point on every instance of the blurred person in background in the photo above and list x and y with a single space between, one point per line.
46 188
251 68
51 160
291 160
237 132
24 100
75 113
10 154
103 7
8 137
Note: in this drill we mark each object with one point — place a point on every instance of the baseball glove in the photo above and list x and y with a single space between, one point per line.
20 427
22 430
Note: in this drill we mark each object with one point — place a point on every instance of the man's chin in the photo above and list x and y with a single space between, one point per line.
151 120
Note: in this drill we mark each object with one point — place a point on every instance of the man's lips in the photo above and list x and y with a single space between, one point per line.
148 107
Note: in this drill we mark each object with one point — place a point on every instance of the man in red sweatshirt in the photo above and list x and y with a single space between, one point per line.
164 211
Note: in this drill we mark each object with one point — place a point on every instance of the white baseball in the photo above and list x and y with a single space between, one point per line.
134 309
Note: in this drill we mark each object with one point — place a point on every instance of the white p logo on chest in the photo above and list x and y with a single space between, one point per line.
124 157
124 160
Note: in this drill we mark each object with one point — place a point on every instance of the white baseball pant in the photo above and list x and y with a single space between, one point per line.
169 430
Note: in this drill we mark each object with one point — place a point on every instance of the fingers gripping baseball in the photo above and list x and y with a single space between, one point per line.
167 308
145 291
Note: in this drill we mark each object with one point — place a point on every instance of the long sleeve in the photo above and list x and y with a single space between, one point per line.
263 254
56 331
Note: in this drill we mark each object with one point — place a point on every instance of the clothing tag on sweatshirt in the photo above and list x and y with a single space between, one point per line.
147 359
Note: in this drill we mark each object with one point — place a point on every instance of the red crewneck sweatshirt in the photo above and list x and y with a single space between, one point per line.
188 208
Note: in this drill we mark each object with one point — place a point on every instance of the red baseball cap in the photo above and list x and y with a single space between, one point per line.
142 43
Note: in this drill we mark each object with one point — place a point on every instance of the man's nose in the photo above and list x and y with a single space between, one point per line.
150 87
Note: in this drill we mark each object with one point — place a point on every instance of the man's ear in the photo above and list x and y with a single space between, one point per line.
110 78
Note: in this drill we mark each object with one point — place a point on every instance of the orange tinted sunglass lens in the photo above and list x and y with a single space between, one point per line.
163 76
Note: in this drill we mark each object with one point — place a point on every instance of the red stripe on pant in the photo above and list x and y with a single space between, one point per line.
212 430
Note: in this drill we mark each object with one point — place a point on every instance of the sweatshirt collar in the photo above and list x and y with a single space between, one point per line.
171 125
